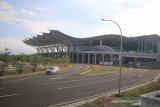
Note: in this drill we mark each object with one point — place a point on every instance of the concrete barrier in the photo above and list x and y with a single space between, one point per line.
150 99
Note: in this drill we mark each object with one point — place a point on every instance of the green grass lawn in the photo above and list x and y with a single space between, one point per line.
66 66
100 69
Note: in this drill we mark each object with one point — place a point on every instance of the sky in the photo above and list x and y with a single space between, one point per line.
22 19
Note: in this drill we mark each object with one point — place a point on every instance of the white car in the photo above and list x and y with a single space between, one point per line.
52 70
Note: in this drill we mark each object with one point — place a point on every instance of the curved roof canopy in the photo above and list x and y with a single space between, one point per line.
112 40
55 37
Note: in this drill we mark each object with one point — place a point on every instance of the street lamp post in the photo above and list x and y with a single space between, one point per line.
120 56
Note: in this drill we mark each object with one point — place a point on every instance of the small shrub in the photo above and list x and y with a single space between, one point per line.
20 67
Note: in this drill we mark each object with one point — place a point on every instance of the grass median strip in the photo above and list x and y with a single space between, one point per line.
101 69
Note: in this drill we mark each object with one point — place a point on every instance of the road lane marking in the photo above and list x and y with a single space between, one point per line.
2 88
83 79
59 77
9 95
21 79
96 95
140 75
85 84
99 82
65 76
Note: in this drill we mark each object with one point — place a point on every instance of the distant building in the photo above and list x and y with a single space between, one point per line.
103 49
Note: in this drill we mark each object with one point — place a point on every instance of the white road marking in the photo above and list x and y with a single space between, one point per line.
9 95
83 79
85 98
85 84
99 82
59 77
2 88
21 79
70 81
65 77
140 75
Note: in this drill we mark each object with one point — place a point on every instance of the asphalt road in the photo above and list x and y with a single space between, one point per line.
48 90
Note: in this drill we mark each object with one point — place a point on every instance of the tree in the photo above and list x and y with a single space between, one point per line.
44 61
66 62
23 58
4 58
34 61
13 60
52 61
20 67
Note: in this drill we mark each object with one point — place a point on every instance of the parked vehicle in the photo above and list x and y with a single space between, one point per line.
52 70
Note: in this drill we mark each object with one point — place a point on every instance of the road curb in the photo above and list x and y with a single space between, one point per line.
79 102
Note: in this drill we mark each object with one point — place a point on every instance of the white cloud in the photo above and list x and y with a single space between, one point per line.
140 21
34 26
28 12
7 12
39 9
15 46
136 17
5 6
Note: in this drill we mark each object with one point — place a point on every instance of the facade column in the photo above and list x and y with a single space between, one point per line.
88 58
57 47
153 46
139 46
74 48
43 50
103 58
68 51
95 58
51 49
62 48
38 50
72 57
47 49
82 58
100 44
77 57
112 59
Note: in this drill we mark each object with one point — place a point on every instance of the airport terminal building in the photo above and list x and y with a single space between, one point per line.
104 49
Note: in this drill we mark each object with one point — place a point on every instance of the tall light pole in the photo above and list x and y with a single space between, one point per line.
120 56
